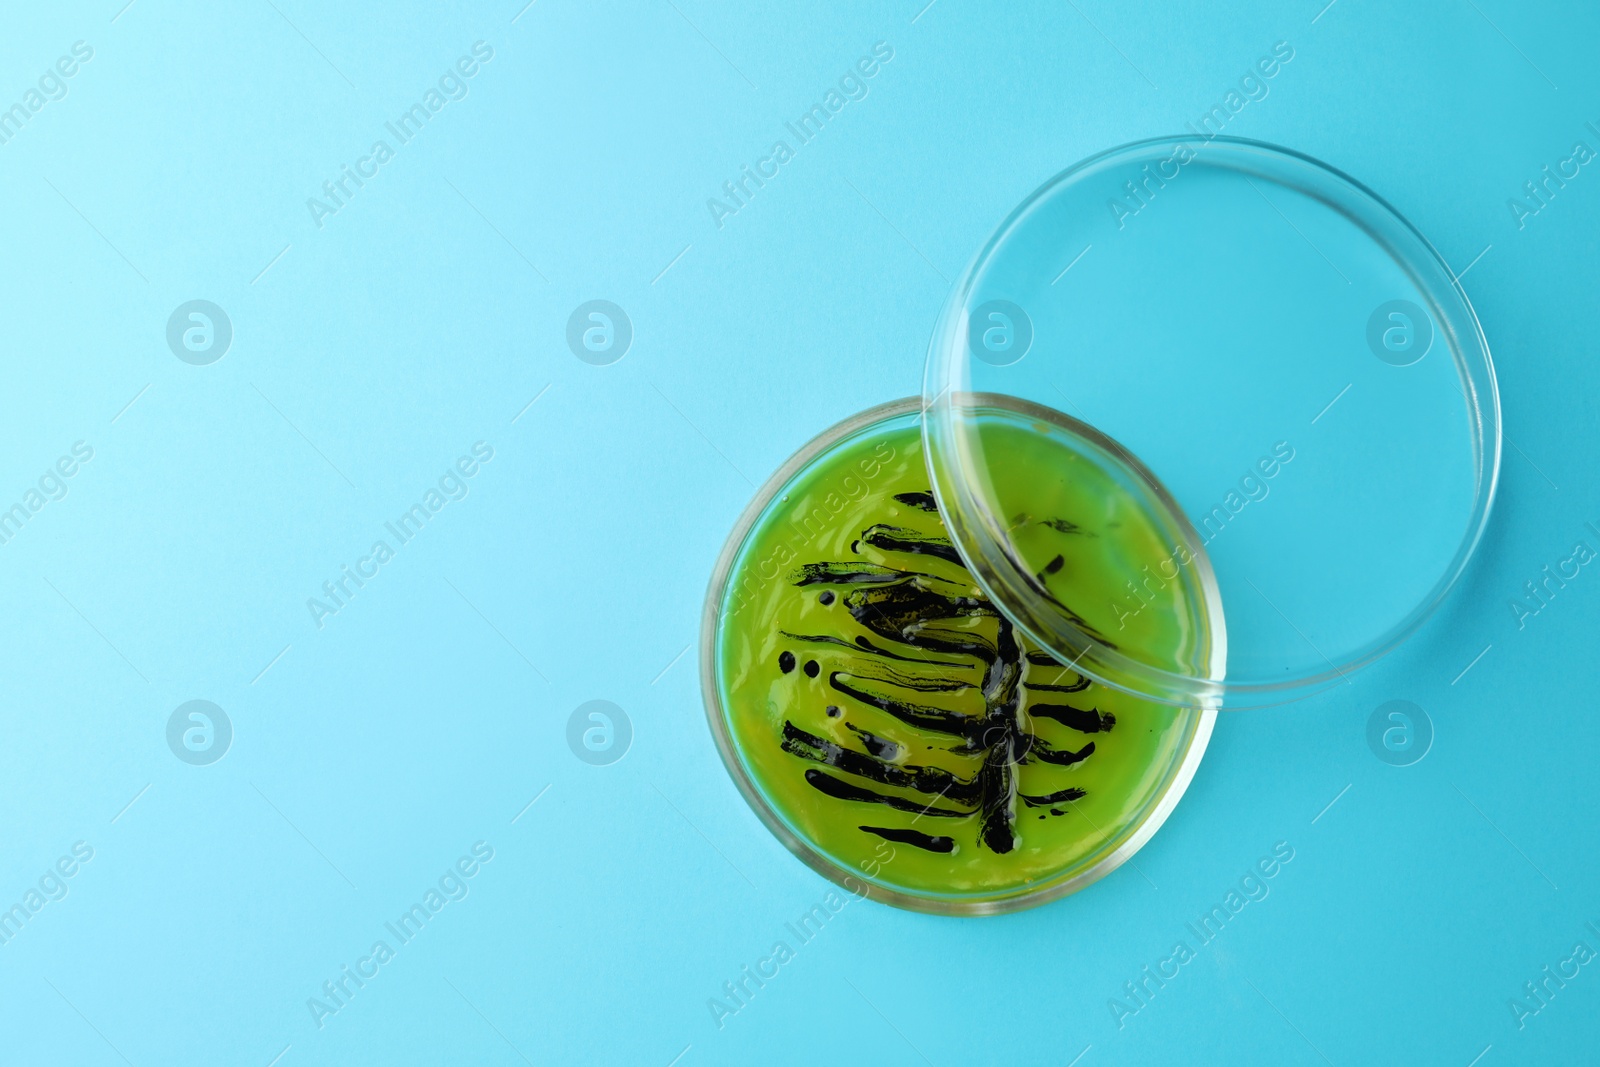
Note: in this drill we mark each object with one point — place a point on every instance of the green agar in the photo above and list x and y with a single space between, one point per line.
903 729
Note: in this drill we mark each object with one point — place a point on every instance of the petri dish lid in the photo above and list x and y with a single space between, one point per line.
1212 421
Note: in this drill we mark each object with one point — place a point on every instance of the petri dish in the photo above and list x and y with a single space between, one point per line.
891 725
1283 354
1206 424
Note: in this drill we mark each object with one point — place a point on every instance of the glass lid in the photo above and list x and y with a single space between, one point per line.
1212 422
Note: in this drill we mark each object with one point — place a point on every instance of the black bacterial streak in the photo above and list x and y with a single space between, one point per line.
921 501
922 628
913 837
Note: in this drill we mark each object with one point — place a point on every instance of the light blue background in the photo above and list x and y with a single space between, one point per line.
371 753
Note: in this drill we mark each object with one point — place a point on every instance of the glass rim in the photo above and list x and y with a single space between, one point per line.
1184 762
1469 354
